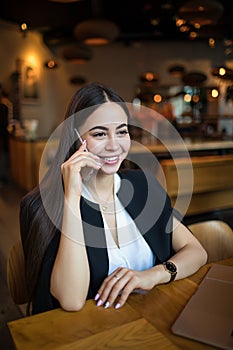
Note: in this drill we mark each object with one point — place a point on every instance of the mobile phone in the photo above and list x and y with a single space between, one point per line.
86 150
80 138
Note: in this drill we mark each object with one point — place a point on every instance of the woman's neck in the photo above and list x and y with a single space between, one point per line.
102 186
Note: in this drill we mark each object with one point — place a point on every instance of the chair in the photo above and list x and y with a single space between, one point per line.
16 278
216 237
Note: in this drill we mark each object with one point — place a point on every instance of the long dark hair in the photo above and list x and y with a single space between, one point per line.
41 209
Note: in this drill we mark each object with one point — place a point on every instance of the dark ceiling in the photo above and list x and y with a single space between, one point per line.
133 18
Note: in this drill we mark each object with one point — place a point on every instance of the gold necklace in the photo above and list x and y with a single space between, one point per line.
104 204
107 205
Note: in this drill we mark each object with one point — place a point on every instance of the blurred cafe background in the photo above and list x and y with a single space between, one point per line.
174 57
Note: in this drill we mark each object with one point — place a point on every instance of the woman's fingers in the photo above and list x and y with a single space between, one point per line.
82 159
122 282
76 169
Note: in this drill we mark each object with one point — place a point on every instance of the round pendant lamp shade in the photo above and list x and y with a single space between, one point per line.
177 71
202 12
194 78
96 32
77 54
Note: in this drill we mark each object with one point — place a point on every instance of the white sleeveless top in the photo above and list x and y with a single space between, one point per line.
133 251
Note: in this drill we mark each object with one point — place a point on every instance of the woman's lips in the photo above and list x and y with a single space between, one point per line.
110 160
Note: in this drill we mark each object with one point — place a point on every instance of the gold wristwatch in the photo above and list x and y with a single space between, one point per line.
171 268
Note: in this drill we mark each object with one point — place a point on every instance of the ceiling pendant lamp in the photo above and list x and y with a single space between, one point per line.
201 12
194 78
96 32
177 71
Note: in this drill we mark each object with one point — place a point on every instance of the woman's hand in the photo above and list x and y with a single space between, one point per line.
76 168
124 281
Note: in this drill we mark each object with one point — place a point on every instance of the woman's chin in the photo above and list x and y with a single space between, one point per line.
109 170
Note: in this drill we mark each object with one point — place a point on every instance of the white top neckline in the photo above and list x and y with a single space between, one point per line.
133 251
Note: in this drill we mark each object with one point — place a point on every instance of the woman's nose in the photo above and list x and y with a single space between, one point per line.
112 144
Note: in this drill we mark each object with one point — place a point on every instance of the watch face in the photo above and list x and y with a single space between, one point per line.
171 267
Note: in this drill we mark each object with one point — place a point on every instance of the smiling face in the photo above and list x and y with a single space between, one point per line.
106 133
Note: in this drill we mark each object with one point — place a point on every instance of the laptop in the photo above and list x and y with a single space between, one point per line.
208 315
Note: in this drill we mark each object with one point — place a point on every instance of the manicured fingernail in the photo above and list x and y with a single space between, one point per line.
99 302
106 305
97 296
117 306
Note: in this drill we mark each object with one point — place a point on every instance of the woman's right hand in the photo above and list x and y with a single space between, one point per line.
76 168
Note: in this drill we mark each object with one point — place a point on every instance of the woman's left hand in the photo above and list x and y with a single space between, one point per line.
123 281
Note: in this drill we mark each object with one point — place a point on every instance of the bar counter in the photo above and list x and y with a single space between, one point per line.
24 158
25 155
195 146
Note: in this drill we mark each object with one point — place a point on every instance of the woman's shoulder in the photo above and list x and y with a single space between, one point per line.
143 186
142 178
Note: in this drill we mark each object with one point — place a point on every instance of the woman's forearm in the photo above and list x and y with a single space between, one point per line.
188 260
70 275
189 256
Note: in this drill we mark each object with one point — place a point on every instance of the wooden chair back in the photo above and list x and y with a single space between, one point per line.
16 278
212 182
216 237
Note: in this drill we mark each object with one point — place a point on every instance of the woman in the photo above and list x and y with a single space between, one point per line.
91 231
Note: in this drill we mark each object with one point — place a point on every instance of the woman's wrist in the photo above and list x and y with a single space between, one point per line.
162 276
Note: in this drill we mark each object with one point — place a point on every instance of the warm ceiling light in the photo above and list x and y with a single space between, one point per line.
96 32
187 98
149 77
197 25
195 98
51 64
214 93
212 42
23 27
179 22
184 28
157 98
201 12
223 73
192 35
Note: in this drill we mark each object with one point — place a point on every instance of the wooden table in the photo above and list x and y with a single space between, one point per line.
143 323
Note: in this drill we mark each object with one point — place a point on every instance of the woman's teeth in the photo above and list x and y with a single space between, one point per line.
110 159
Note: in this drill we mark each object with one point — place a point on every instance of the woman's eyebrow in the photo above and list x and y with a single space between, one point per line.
101 127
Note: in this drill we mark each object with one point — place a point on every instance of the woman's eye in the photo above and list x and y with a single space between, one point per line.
99 134
123 132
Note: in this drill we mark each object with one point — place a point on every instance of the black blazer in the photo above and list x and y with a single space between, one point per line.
149 206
